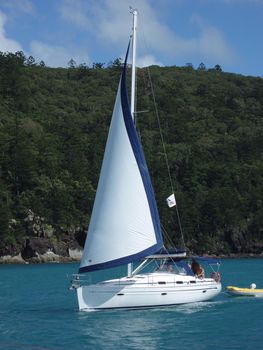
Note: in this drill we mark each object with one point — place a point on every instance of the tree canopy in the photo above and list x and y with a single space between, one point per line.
53 128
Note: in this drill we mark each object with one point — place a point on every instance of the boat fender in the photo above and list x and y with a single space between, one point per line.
216 276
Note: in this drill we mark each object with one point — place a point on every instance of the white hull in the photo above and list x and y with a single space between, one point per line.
149 290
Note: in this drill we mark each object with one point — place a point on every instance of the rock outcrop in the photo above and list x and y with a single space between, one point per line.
42 250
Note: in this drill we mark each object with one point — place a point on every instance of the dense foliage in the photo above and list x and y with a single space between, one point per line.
53 128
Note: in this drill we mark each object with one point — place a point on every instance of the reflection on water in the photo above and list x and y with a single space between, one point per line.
143 329
180 327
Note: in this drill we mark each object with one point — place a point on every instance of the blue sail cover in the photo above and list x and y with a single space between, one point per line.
125 223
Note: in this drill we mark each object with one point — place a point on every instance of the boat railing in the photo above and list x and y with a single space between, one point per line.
78 281
146 279
151 280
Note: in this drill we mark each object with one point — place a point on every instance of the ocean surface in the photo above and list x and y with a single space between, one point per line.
38 312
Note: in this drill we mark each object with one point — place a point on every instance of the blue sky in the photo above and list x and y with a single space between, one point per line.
171 32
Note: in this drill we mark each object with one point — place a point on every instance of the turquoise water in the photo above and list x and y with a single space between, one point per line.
38 312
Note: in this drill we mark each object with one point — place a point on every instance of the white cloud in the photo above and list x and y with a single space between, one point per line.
6 44
56 56
19 6
109 20
107 25
147 60
211 42
75 12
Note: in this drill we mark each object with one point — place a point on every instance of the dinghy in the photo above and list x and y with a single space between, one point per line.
251 291
125 228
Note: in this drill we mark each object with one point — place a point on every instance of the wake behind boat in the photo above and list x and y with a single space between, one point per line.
125 227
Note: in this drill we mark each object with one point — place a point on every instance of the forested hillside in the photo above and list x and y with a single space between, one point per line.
53 129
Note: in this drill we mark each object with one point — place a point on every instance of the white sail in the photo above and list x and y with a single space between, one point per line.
124 224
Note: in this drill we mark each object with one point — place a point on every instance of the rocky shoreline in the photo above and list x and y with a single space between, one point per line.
43 243
41 250
48 257
40 255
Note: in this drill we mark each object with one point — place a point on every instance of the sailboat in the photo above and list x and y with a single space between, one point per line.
125 227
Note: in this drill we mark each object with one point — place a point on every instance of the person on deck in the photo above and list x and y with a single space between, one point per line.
197 269
170 268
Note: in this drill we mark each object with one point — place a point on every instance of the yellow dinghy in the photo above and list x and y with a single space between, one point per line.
251 291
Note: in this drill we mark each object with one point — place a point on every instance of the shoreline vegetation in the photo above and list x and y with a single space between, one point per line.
53 128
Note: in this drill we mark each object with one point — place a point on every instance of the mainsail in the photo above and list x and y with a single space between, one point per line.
125 224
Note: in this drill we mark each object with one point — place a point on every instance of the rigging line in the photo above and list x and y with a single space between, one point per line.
162 138
180 226
169 240
157 116
165 154
160 131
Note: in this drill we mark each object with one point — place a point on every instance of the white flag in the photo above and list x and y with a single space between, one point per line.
171 202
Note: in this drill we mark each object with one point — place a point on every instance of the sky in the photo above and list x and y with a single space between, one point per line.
170 32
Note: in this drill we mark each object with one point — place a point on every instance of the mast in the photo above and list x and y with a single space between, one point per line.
133 78
133 85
